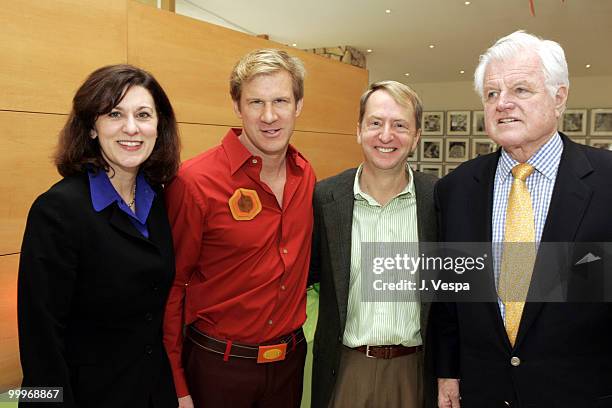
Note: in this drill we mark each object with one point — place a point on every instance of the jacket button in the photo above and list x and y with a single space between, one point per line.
149 317
333 372
507 403
149 350
340 339
515 361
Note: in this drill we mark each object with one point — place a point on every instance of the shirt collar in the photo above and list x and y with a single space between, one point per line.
104 194
237 154
360 195
545 161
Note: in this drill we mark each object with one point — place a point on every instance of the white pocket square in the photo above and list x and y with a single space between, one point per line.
588 258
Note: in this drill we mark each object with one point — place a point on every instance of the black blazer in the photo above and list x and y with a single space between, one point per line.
91 294
331 260
565 349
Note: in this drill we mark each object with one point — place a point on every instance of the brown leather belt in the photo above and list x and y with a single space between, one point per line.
387 352
232 349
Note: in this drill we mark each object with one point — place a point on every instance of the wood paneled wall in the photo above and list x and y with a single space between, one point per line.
47 50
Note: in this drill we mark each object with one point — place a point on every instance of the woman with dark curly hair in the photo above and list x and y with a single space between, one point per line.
97 258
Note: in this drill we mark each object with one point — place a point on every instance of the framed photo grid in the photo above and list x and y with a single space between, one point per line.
433 123
431 149
457 149
482 146
434 169
601 122
478 123
460 135
573 122
458 123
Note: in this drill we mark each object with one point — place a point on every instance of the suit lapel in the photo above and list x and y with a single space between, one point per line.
482 206
427 230
156 222
426 214
569 201
120 221
338 222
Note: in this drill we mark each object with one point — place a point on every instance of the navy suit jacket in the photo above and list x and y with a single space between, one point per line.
565 349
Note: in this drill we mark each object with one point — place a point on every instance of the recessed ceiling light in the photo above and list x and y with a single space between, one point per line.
462 72
467 3
407 74
388 11
369 50
431 46
588 66
294 45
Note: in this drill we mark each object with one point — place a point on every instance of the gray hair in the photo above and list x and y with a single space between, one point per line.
554 65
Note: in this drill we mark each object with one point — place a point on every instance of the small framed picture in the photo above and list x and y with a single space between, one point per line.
456 149
449 167
581 140
458 123
433 123
431 149
573 122
478 123
601 122
433 169
601 143
482 146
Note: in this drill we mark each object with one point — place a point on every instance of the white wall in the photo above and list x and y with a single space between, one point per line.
585 92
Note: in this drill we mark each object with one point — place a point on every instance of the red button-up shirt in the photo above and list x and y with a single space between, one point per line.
239 280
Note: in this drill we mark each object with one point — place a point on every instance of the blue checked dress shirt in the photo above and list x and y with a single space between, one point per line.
540 185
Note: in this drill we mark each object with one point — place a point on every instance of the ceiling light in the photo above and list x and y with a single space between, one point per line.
294 45
462 72
369 50
587 66
467 3
388 11
407 74
431 46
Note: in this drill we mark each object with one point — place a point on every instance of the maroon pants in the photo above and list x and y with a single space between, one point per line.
242 382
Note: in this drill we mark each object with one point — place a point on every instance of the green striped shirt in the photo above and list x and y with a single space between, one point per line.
390 322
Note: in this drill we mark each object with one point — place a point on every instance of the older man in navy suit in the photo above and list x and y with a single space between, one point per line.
540 187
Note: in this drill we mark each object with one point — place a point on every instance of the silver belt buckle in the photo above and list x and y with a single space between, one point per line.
368 352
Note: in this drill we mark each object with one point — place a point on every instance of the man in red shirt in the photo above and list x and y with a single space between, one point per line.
241 216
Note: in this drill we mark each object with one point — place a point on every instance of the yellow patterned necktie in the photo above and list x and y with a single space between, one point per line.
519 253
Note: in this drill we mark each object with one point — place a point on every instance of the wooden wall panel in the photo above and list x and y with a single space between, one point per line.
321 149
47 50
49 47
196 139
10 369
193 61
27 141
328 153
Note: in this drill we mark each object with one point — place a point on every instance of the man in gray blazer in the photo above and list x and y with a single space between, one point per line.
371 353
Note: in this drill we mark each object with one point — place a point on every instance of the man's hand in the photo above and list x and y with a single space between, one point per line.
185 402
448 393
